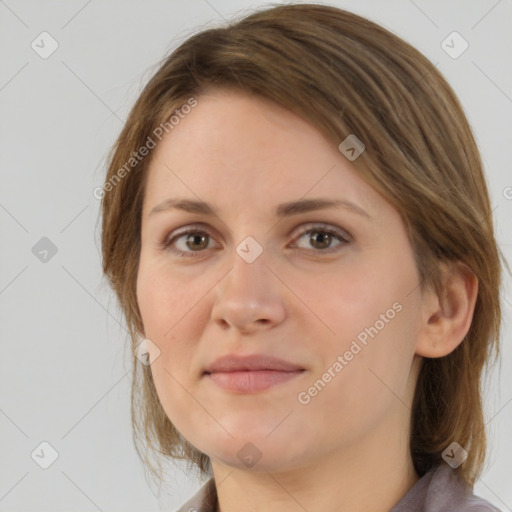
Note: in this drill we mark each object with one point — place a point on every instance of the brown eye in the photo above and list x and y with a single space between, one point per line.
319 241
320 237
187 242
196 241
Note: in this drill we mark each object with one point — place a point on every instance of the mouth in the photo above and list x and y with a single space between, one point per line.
251 381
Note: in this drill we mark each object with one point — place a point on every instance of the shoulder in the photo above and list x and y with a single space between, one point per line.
204 500
440 490
448 493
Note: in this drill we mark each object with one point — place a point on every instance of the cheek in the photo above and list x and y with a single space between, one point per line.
173 312
354 303
167 298
372 325
372 384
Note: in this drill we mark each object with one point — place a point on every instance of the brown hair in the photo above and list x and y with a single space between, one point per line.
345 75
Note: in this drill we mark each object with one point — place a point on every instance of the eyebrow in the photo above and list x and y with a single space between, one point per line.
282 210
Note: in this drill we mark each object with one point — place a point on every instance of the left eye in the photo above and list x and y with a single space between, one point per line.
320 237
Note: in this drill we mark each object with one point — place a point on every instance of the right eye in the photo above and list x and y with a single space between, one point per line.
192 238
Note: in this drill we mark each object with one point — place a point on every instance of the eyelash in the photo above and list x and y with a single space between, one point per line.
311 228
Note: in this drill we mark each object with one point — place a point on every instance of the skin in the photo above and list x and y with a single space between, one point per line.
347 449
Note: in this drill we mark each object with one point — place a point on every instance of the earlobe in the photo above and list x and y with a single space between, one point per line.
449 313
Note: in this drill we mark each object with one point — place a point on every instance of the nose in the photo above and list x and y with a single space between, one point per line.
249 297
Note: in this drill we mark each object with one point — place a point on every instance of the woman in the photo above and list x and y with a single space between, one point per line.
298 228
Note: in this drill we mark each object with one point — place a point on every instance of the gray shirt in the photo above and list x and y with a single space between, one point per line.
440 490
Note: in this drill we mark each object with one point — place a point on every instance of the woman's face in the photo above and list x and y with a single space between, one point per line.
334 290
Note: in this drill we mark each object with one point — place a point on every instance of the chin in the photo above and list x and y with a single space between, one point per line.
254 451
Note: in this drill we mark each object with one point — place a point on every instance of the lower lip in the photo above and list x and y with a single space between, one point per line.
251 381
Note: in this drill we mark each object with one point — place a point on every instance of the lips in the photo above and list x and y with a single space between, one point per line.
254 362
250 374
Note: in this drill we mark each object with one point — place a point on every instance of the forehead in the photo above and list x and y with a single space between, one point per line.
240 150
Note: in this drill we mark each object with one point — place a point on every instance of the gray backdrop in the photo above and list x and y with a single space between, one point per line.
64 370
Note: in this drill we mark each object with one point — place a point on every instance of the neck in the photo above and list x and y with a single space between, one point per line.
369 475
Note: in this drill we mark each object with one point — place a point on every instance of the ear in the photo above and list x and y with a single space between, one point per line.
447 315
